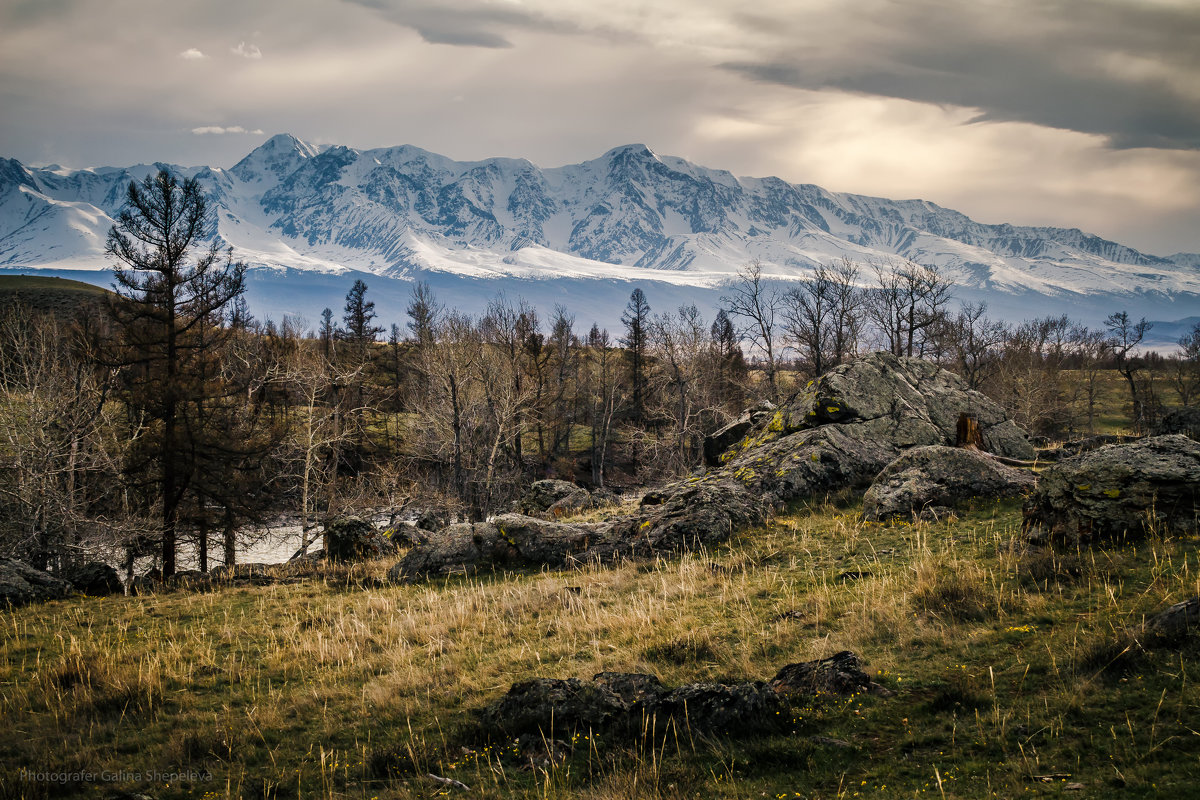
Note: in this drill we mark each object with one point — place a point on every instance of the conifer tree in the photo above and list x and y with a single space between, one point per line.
169 299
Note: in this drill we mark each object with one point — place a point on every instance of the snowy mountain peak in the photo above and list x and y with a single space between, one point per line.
274 159
628 214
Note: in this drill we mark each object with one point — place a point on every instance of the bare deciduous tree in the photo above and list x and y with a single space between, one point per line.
755 305
906 305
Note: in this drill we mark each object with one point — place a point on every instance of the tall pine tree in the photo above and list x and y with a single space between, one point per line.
174 284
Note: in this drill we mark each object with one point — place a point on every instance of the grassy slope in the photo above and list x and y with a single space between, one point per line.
62 298
323 688
10 283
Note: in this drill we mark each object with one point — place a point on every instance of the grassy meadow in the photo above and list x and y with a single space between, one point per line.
1012 671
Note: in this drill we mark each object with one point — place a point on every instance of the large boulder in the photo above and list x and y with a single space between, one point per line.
554 498
354 539
817 461
95 579
1184 420
917 399
926 478
1118 491
699 512
21 584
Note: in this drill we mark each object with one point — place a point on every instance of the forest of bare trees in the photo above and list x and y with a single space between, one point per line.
173 416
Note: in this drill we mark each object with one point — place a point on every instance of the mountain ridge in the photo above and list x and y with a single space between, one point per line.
628 215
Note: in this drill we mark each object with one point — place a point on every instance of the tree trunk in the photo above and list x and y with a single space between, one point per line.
230 539
202 542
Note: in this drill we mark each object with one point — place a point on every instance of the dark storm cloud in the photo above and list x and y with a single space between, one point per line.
32 12
465 23
1123 70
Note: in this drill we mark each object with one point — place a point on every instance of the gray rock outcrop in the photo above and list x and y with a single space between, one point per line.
554 498
839 432
354 539
1118 491
21 584
936 476
1184 420
509 540
717 443
95 579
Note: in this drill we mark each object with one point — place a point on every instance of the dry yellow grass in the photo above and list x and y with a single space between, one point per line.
323 688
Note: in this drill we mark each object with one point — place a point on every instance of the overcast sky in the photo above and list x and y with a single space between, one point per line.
1081 113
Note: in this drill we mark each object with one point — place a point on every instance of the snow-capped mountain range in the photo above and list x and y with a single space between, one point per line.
314 213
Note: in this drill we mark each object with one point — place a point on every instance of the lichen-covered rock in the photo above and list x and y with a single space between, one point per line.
908 392
554 498
1184 420
431 519
719 708
553 707
21 584
1118 491
718 442
354 539
94 579
939 476
818 461
693 514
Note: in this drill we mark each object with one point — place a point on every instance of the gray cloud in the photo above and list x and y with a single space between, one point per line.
1124 70
466 23
30 12
976 104
491 24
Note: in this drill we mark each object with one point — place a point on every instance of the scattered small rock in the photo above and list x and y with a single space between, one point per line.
553 707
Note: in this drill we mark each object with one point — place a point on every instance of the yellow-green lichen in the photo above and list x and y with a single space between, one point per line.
1113 492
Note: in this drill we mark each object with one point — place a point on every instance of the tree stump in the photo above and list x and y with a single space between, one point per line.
969 434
